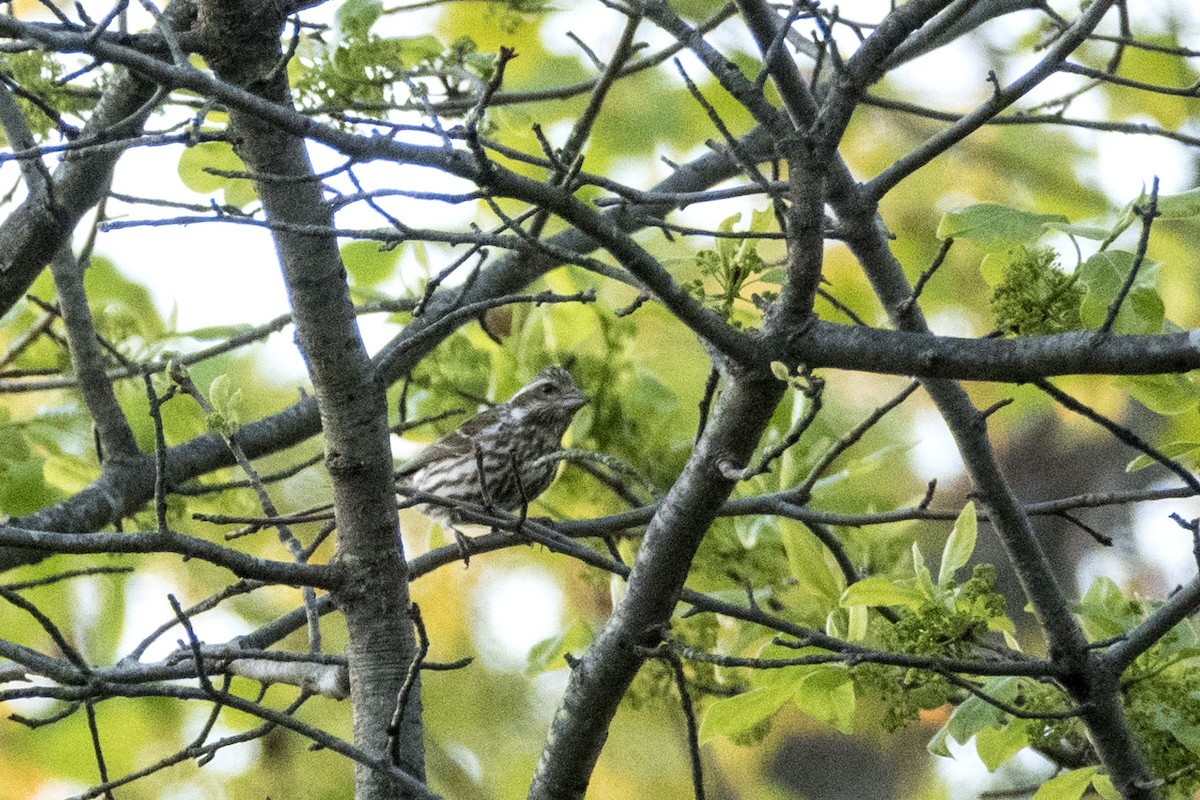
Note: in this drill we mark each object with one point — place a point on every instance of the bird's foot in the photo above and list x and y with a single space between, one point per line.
464 546
522 532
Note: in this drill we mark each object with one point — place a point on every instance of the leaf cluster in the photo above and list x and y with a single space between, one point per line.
950 627
370 73
1162 686
731 267
1032 296
1161 697
40 73
364 73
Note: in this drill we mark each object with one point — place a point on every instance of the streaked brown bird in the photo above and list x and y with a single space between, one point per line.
500 456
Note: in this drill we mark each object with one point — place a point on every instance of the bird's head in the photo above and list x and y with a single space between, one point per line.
552 395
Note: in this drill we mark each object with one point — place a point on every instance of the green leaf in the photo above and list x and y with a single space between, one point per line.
996 263
354 18
1184 452
1176 206
834 626
995 227
734 716
1106 612
762 221
1167 395
880 591
1126 218
368 263
565 327
198 159
937 745
413 50
727 246
550 654
1170 718
1104 787
1068 786
226 403
773 651
1103 276
827 694
24 486
749 529
122 307
996 746
239 192
1082 231
974 714
68 473
856 631
808 564
195 159
777 275
924 579
219 391
420 251
960 545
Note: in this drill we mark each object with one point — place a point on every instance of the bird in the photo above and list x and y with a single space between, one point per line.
501 457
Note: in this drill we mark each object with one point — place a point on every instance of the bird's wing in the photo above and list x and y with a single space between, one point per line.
455 444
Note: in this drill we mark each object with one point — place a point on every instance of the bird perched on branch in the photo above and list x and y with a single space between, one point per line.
502 456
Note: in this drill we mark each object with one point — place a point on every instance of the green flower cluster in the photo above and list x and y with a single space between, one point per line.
934 629
1035 297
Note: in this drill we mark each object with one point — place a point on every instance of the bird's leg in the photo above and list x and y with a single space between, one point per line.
464 545
524 509
479 473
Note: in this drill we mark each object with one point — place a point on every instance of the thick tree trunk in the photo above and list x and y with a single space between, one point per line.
352 404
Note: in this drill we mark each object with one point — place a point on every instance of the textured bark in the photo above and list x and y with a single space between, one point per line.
113 433
244 50
599 679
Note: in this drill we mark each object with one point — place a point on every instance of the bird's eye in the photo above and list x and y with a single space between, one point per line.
549 389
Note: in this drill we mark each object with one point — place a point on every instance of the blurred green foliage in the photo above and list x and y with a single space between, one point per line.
1029 219
41 76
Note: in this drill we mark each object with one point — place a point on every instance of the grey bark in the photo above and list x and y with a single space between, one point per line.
244 49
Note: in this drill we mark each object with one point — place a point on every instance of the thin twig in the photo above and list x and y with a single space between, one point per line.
1120 432
410 682
938 260
1148 215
